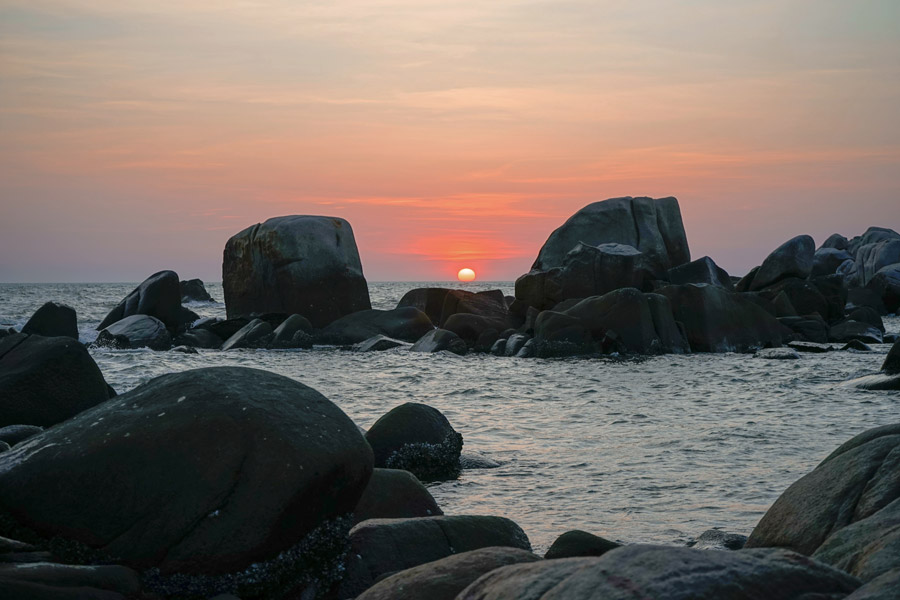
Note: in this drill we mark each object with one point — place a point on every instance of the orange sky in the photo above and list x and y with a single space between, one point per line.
139 136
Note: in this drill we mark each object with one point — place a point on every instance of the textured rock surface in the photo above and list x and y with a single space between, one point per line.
299 264
158 296
193 290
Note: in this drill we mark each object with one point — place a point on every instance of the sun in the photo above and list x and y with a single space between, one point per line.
466 275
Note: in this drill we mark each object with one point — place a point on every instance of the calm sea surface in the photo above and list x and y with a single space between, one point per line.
652 450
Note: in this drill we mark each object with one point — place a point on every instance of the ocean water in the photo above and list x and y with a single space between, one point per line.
655 449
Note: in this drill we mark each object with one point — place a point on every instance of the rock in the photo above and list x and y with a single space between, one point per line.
807 329
429 300
865 297
491 305
867 314
804 298
891 364
652 226
185 350
702 270
296 264
827 260
579 543
744 283
407 324
871 258
394 494
716 320
136 331
379 343
885 284
186 318
193 290
8 546
13 434
867 548
255 334
883 587
644 571
223 470
223 329
443 579
51 320
871 236
46 380
417 438
856 345
777 354
854 483
157 296
498 348
834 292
284 333
199 338
380 547
595 270
794 258
836 241
486 340
469 327
713 539
878 382
514 344
527 350
51 581
440 339
810 347
476 460
854 330
4 446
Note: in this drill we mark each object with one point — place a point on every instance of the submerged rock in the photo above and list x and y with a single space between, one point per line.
193 290
53 319
777 354
714 539
157 296
407 324
579 543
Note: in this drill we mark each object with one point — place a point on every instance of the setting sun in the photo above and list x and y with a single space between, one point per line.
466 275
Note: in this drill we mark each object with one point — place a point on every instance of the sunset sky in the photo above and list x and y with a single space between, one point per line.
138 135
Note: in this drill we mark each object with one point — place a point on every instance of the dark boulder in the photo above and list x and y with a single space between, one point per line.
51 320
157 296
827 260
471 327
835 293
407 324
777 354
579 543
812 347
595 270
222 470
873 235
223 329
807 329
866 314
854 330
52 581
866 297
417 438
255 334
485 340
443 579
199 338
380 547
515 343
804 298
794 258
429 300
744 283
193 290
836 241
379 343
891 364
871 258
856 345
437 340
46 380
885 284
490 305
716 320
883 587
715 539
644 571
395 494
13 434
702 270
136 331
284 334
299 264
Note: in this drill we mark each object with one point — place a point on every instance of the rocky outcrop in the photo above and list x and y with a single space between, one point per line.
193 290
702 270
157 296
417 438
794 258
304 265
45 380
255 334
136 331
395 494
579 543
407 324
827 260
224 479
51 320
438 340
849 330
286 332
199 338
666 572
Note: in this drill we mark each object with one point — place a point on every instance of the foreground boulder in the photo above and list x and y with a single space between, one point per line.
666 572
379 547
13 434
45 380
395 494
158 296
52 320
193 290
407 324
443 579
52 581
215 469
298 264
136 331
856 486
417 438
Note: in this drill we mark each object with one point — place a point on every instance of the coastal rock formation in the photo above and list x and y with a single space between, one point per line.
417 438
199 338
672 573
794 258
288 329
53 581
846 511
437 340
298 264
45 380
827 260
136 331
395 494
192 475
157 296
51 320
702 270
255 334
407 324
891 364
379 343
380 547
443 579
193 290
579 543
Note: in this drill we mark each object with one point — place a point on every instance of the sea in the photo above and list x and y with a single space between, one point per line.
651 449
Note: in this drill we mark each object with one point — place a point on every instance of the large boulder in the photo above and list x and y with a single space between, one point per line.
407 324
871 258
437 340
45 380
429 300
854 484
255 334
885 284
702 270
417 438
873 235
136 331
849 330
672 573
891 364
653 226
827 260
198 338
490 304
193 290
214 479
836 241
443 579
52 320
380 547
716 320
299 264
395 494
157 296
794 258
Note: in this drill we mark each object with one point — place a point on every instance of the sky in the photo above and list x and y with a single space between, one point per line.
140 135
